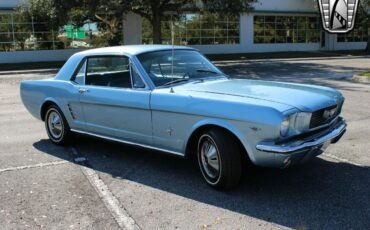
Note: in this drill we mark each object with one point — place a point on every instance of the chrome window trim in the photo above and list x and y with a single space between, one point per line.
134 68
77 70
129 142
142 73
85 64
114 88
131 60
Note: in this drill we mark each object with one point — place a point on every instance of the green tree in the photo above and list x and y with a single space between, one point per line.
37 11
52 13
156 11
108 13
365 12
6 32
234 7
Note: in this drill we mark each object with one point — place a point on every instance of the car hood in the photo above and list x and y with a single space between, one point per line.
306 98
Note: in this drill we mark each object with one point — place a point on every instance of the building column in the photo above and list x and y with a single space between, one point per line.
332 41
246 32
132 29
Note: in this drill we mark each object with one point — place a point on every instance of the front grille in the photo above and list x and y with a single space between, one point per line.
318 118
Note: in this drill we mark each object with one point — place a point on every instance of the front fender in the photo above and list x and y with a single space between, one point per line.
226 125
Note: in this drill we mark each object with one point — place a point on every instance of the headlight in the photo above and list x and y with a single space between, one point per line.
295 123
284 128
302 122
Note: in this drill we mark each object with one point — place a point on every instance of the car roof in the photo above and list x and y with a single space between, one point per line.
132 49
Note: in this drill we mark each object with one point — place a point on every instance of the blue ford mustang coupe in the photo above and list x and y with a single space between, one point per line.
172 99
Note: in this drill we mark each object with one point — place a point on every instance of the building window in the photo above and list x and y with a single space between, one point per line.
197 29
358 34
18 32
286 29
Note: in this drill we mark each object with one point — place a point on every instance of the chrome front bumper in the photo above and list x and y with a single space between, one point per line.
335 132
299 151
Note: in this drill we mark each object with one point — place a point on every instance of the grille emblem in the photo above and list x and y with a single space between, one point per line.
338 16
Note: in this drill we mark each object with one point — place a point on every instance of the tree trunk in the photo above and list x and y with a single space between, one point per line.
157 27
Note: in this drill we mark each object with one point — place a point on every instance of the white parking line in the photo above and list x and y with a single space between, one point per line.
110 201
341 159
33 166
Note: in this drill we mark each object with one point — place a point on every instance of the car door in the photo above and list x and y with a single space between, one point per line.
74 109
115 101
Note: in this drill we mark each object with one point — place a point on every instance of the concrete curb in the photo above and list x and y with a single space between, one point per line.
16 72
291 59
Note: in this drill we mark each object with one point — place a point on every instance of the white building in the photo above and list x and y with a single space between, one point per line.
273 26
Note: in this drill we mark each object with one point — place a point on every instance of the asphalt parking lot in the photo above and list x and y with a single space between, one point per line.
97 184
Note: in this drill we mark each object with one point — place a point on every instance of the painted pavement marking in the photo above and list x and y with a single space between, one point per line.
124 220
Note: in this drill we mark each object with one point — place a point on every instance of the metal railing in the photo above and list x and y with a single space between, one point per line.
16 34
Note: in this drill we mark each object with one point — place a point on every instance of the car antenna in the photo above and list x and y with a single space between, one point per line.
173 53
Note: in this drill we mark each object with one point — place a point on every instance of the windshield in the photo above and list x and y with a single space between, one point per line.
188 65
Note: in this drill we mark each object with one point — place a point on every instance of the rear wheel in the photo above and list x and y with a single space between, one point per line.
219 159
57 127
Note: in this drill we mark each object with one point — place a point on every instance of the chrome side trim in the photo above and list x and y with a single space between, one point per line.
129 142
289 149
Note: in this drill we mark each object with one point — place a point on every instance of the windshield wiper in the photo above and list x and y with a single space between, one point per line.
206 71
175 81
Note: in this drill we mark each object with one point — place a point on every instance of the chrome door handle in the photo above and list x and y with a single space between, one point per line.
83 90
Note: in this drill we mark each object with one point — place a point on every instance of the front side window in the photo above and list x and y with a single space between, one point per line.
112 71
80 75
164 67
136 79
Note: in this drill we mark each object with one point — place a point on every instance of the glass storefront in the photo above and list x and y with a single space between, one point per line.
197 29
286 29
18 33
358 34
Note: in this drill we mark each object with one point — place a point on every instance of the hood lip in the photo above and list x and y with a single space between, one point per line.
243 96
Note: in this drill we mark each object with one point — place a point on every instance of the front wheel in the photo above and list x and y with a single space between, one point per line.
57 127
219 159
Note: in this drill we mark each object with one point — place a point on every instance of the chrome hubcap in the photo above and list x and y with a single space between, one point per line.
210 158
55 125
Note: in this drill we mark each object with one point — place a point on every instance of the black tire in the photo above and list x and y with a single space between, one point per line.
229 155
65 136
